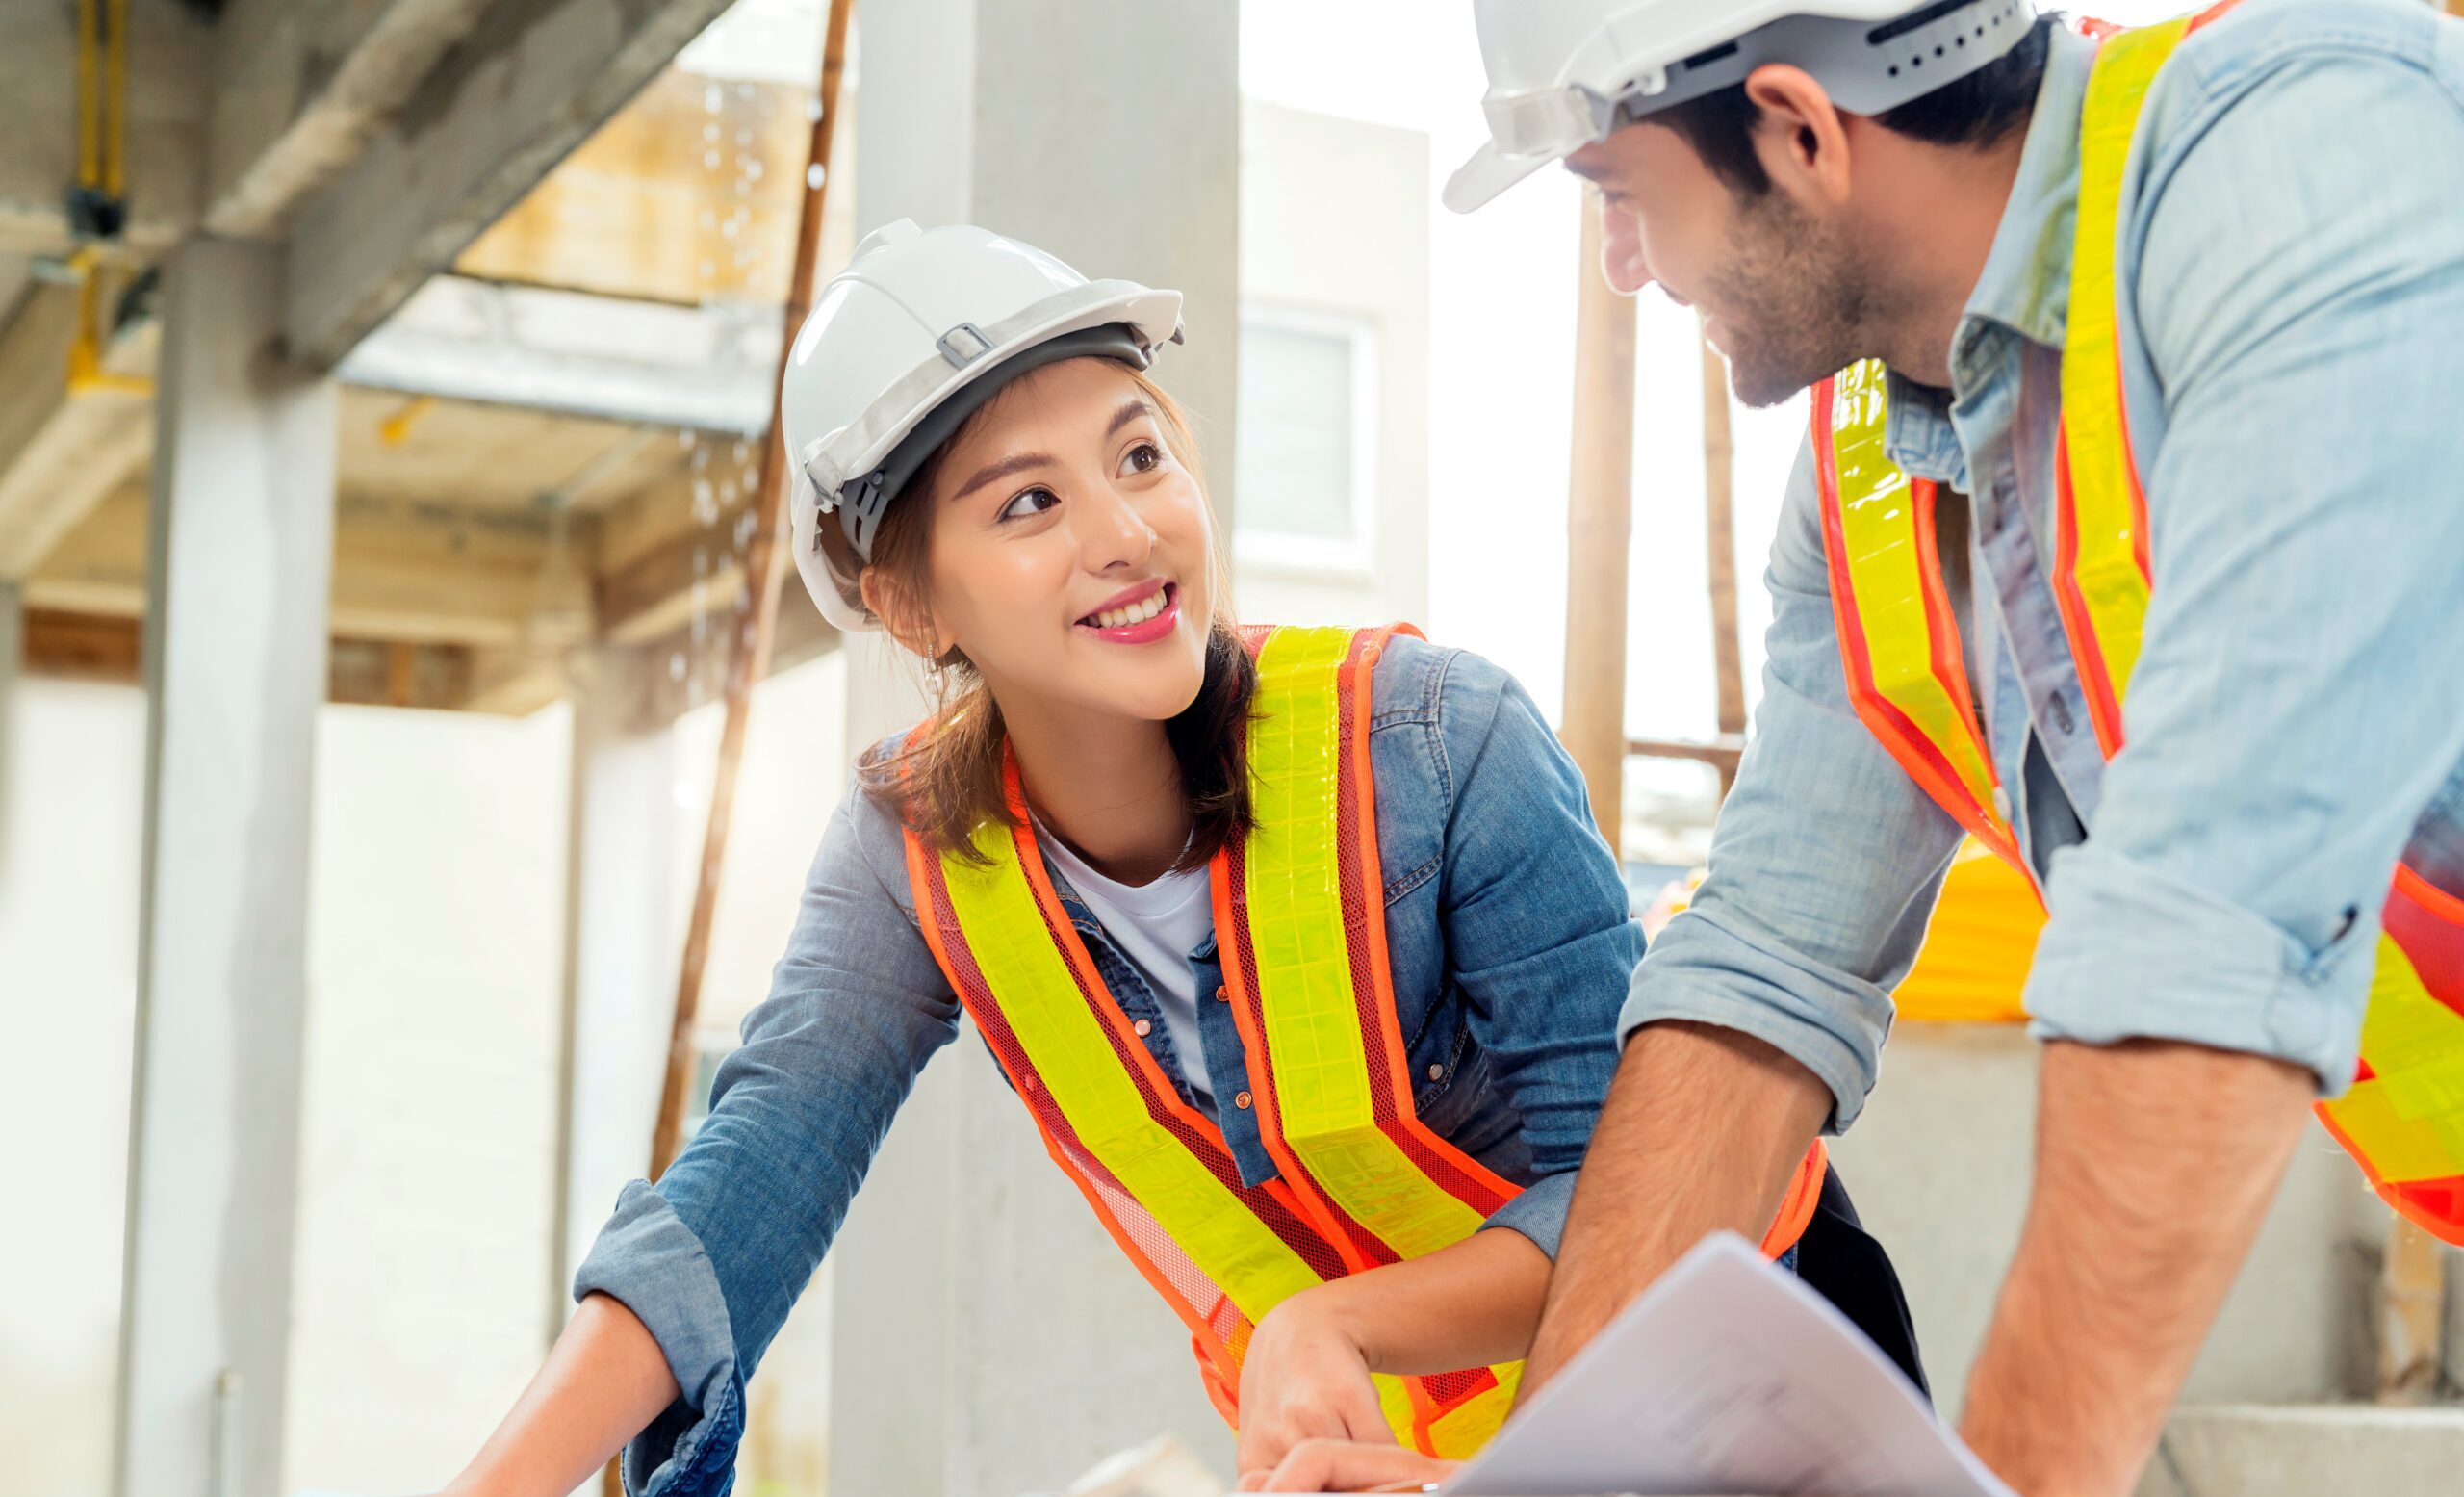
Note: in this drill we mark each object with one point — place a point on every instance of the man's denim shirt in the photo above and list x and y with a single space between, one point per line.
1509 945
2292 259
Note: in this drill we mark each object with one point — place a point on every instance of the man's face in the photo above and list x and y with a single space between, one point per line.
1781 289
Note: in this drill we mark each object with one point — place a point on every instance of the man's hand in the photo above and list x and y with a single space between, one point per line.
1304 1377
1348 1467
2155 1164
1702 1130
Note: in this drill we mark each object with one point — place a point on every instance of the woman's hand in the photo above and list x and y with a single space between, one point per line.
1350 1466
1305 1376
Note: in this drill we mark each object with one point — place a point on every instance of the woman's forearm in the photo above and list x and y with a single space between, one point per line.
603 1382
1475 1303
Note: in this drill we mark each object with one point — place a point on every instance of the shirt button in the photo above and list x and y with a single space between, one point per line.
1223 994
2002 804
1144 1027
1242 1101
2061 710
1436 1072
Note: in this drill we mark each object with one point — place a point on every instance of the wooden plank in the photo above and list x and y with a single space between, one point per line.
1719 528
1722 753
529 84
764 568
422 572
1599 533
2412 1315
235 665
106 649
303 85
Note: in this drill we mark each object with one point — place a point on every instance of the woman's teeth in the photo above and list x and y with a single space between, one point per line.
1135 613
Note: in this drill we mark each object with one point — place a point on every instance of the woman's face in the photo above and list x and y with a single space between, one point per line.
1071 554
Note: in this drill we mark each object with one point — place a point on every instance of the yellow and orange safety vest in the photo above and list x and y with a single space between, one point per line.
1299 920
2403 1119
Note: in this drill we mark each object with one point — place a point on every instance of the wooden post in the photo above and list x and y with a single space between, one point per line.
238 581
1599 531
749 651
2412 1315
1719 530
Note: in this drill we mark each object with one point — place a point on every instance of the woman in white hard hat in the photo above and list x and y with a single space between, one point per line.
1298 946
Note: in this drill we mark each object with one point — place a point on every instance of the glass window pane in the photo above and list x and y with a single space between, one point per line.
1294 451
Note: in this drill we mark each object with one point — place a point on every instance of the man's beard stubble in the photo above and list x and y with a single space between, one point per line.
1792 301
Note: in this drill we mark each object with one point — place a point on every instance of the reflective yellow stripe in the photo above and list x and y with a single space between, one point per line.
2110 583
1887 571
1461 1432
1066 1043
2408 1123
1296 917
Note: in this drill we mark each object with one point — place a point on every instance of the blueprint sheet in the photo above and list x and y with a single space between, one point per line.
1728 1375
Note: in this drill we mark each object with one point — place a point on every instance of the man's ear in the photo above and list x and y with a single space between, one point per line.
1801 138
904 615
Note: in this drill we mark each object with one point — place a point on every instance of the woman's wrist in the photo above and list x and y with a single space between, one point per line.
1342 1308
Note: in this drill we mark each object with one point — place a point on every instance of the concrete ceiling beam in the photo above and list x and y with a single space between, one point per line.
303 87
529 83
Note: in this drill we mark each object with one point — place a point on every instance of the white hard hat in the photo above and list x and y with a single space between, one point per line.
1562 71
916 334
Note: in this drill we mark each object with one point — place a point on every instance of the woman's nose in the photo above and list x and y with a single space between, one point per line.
1621 250
1111 531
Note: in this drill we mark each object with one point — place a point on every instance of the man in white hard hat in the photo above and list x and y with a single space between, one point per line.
2129 541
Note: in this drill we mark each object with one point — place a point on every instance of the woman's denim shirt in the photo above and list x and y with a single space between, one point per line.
1510 947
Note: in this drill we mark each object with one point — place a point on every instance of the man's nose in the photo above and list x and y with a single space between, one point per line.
1621 250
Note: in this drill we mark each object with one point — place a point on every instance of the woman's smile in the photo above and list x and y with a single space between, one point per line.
1136 615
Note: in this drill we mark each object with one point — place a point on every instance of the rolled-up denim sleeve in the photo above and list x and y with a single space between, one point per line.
2298 699
1538 931
713 1257
1824 867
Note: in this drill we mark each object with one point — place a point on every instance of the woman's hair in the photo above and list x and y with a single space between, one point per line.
945 779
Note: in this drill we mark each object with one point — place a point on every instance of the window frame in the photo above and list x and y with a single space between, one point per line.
1352 558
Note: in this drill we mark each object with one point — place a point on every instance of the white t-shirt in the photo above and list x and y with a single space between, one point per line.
1156 925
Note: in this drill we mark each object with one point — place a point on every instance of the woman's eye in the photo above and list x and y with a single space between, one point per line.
1145 458
1031 502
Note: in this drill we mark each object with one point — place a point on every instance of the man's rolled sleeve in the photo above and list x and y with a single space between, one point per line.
648 1261
1539 1213
1826 1020
2132 952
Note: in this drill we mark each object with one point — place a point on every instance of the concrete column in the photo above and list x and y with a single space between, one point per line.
620 949
240 571
988 1336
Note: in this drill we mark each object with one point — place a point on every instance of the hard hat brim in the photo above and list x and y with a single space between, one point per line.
1489 172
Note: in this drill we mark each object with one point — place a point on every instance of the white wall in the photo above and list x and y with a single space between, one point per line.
73 816
1334 220
437 878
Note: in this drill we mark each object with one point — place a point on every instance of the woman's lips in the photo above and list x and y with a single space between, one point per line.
1138 625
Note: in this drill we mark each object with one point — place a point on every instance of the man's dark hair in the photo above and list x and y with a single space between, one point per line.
1983 109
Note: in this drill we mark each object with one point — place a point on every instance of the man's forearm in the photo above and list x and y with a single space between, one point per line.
2155 1164
1702 1130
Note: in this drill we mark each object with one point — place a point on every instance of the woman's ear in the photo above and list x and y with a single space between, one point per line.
1801 138
901 612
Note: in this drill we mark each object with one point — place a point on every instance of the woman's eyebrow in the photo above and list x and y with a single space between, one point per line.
992 472
1130 410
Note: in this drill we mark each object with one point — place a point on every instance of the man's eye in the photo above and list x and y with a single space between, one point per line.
1030 501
